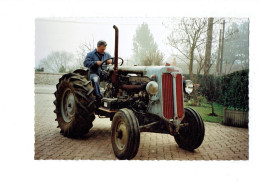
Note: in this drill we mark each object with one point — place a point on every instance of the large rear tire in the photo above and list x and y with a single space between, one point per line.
125 136
75 105
191 136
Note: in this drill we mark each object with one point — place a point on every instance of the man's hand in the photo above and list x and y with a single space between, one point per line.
99 63
109 61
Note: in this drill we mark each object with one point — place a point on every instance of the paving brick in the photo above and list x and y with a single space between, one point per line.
220 143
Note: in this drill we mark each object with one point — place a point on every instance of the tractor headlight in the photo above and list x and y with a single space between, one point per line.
152 87
188 86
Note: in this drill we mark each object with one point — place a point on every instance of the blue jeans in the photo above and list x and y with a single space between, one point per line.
95 83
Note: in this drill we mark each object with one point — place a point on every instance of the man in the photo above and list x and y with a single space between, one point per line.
93 61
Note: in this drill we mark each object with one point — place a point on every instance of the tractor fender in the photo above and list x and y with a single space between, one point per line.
84 72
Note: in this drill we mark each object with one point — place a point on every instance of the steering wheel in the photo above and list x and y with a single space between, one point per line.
113 58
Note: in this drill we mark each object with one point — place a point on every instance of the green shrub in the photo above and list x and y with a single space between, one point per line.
201 99
234 92
231 90
192 102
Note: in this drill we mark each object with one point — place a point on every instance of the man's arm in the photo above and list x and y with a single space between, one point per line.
110 60
89 61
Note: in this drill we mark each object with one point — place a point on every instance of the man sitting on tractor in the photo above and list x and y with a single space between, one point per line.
93 61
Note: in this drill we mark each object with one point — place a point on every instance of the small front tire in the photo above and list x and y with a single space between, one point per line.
191 136
125 136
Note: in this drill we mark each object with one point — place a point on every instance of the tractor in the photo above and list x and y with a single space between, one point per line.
135 98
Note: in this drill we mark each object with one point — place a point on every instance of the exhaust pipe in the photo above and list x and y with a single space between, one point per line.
115 80
114 77
116 48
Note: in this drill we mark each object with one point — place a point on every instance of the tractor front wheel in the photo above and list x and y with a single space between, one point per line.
125 136
191 134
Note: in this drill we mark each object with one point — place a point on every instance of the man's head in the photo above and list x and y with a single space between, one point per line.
101 46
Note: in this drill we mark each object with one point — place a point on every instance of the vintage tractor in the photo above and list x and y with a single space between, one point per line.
136 99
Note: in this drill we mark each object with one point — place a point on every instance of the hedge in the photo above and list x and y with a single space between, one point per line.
231 90
234 90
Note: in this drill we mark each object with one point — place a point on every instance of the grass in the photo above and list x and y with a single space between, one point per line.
205 110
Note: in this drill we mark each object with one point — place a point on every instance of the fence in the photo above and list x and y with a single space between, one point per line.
235 118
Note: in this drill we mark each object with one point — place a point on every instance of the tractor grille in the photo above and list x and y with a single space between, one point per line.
167 89
168 95
179 95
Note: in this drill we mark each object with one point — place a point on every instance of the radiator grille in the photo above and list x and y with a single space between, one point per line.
167 89
179 95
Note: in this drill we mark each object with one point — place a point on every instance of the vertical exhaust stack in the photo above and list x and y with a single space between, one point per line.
116 48
115 74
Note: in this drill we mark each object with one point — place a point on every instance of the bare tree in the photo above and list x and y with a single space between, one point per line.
186 36
82 51
199 58
57 61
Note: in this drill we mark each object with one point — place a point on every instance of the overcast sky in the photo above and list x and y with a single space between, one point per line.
56 34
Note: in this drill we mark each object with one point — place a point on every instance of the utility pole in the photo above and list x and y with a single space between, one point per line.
218 61
222 47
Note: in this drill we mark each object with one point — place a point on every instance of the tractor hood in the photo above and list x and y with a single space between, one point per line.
147 70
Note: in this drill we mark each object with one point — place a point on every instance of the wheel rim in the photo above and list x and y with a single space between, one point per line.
121 135
68 106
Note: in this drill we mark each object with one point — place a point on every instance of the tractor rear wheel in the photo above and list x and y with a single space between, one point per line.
125 136
75 105
191 135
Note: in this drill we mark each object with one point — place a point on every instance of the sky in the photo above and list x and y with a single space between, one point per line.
56 34
67 34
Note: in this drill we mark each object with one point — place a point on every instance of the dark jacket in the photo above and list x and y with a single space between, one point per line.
92 58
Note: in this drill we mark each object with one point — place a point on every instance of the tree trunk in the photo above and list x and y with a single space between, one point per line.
207 64
191 62
207 56
212 107
212 110
208 47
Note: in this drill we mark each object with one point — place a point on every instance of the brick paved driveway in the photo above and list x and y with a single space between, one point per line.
220 143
